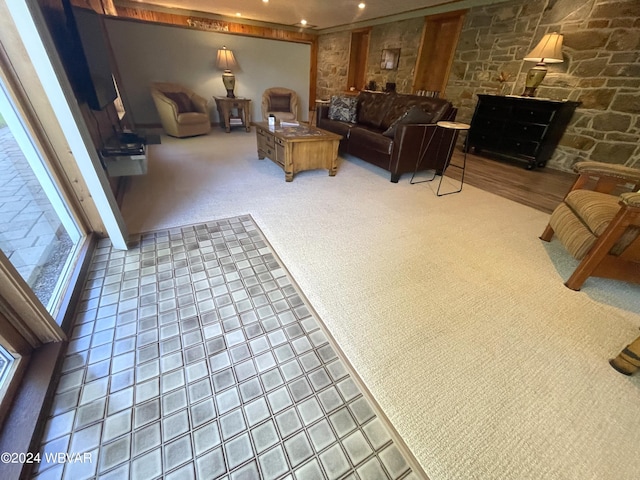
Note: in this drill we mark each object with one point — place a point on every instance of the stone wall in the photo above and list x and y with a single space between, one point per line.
333 57
601 67
333 64
406 36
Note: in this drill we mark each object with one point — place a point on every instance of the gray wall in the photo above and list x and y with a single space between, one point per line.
146 53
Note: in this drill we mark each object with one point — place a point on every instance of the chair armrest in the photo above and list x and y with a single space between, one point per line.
621 172
166 106
199 103
631 199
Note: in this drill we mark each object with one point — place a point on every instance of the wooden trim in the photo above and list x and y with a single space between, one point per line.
429 45
20 78
213 25
10 337
26 419
358 58
313 75
10 386
22 308
72 294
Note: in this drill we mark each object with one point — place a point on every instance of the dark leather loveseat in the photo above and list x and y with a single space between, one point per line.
369 137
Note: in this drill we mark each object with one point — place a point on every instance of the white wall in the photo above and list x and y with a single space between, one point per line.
146 53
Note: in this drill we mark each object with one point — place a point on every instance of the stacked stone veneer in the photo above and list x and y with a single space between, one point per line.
601 67
333 57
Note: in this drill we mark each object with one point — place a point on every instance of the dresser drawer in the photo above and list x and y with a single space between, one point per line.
526 131
522 147
494 111
533 115
488 124
484 139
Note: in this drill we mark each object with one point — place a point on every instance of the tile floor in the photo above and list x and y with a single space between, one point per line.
194 356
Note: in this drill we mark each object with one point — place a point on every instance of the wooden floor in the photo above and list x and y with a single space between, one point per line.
542 188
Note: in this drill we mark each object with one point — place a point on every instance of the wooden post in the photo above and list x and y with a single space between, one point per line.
628 362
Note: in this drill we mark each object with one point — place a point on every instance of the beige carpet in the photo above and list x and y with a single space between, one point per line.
450 309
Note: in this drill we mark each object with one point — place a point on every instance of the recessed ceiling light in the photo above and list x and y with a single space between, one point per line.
303 21
361 5
238 14
265 1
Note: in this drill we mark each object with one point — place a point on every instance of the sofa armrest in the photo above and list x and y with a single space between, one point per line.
322 110
424 143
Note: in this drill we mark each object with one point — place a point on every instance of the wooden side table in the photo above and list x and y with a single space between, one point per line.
242 115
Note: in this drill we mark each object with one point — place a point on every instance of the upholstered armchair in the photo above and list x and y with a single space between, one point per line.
280 102
598 222
182 112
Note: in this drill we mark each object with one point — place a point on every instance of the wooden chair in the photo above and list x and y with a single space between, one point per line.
628 360
598 222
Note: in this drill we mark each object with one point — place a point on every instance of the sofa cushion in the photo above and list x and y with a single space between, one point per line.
372 107
335 126
414 115
343 108
280 102
182 101
370 138
401 103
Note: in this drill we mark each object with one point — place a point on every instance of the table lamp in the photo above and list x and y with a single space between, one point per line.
548 50
227 61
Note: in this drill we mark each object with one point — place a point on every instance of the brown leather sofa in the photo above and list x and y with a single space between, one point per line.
396 152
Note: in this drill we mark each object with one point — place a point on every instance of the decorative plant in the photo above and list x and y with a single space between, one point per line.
502 78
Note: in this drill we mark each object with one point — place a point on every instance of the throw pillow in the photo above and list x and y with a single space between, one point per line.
280 102
182 101
414 115
343 108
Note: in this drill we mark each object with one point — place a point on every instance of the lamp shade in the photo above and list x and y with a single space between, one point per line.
548 50
226 60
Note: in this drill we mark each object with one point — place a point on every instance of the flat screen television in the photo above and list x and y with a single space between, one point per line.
81 42
96 53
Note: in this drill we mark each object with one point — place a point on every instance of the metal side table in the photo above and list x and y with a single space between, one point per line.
458 127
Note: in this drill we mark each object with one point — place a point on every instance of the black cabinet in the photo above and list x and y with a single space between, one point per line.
519 128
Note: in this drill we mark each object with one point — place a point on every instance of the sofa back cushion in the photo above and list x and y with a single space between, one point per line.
438 107
372 107
414 115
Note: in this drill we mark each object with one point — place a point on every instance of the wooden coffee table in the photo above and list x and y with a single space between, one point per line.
298 148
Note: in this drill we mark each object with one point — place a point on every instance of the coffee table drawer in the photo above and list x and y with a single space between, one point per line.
280 153
265 138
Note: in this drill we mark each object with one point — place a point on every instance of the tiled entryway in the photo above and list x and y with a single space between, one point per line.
195 356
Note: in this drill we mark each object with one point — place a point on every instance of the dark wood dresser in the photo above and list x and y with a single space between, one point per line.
523 129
